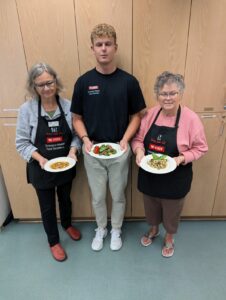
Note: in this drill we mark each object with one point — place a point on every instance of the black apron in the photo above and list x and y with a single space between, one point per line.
53 139
173 185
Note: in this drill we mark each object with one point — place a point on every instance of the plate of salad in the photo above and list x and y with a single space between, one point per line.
106 150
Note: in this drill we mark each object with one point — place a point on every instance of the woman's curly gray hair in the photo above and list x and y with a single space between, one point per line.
169 78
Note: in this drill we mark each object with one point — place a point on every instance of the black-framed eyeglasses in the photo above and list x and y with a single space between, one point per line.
48 84
170 94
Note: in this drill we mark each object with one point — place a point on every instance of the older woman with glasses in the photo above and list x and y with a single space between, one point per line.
44 131
173 130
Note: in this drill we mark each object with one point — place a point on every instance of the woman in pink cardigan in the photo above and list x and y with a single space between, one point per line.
176 131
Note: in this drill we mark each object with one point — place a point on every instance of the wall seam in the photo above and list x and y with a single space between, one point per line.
188 34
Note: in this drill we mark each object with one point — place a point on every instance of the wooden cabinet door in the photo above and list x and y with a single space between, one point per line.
49 35
160 33
117 13
22 196
219 208
200 200
206 64
13 71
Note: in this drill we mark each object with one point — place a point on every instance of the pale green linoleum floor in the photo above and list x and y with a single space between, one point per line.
197 271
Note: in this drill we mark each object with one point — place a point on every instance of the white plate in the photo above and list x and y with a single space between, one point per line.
70 160
113 145
171 165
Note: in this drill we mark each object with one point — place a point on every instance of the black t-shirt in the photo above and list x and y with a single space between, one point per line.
105 101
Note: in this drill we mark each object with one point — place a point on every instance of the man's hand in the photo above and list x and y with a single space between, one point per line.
87 143
123 145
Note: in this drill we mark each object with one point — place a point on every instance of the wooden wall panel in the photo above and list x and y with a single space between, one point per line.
219 208
206 62
186 36
160 31
114 12
200 200
22 196
13 69
49 35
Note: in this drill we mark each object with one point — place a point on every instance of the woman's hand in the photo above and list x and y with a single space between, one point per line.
42 161
179 159
139 155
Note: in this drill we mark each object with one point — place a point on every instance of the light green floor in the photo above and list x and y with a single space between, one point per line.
196 271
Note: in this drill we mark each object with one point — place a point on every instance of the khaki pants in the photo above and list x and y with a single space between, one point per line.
114 172
166 211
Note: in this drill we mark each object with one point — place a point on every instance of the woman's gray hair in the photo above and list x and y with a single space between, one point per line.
37 70
169 78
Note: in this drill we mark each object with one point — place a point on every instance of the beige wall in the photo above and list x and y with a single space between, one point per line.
186 36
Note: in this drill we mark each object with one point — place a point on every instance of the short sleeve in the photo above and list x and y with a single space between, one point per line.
136 99
77 99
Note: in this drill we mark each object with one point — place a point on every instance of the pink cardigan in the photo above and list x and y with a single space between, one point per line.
191 140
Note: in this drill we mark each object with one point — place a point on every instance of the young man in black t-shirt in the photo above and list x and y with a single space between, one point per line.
106 105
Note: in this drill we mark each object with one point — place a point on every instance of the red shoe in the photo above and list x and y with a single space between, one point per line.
74 233
58 252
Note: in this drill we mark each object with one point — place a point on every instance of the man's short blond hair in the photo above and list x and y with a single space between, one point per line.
103 30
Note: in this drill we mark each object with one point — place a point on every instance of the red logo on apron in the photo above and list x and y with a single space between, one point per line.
55 139
157 148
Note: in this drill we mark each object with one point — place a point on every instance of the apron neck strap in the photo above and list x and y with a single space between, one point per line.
58 103
177 118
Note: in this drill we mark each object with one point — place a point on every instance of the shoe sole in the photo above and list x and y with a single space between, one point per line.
115 249
60 260
97 250
76 239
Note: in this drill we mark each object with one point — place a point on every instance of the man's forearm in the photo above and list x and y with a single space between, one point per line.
132 127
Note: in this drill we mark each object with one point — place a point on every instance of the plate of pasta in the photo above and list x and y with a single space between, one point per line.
158 163
59 164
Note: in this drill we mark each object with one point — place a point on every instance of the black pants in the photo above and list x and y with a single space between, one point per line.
47 202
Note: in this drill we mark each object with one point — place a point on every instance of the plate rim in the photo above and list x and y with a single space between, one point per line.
70 159
162 170
106 157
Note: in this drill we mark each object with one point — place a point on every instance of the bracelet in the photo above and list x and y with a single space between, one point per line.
85 135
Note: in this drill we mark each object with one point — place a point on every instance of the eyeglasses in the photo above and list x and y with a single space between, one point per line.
170 94
47 84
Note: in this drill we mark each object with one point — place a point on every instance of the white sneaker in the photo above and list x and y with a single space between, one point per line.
116 241
97 243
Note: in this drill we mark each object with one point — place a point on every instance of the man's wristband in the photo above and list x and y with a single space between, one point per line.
85 135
